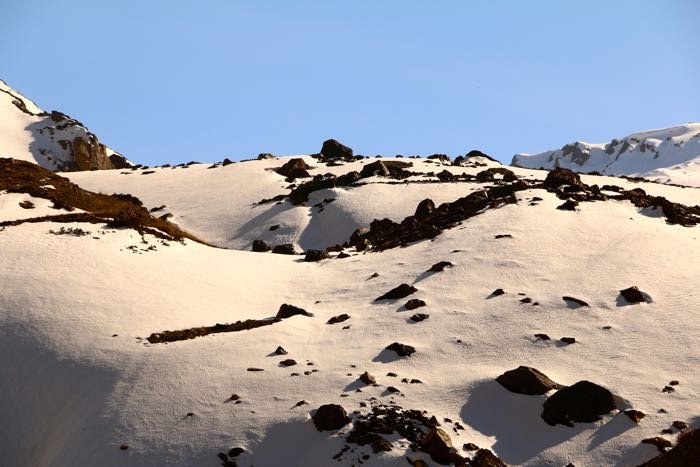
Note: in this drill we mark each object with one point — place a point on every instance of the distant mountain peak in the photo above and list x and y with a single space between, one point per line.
667 155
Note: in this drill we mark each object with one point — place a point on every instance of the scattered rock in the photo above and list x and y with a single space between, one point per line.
330 417
393 389
569 205
582 402
526 380
367 378
560 176
470 447
674 382
280 351
380 445
338 319
568 340
123 447
486 458
288 362
316 255
575 301
497 292
401 291
635 415
503 236
414 303
402 350
342 255
633 295
226 162
679 425
668 389
543 337
439 267
264 156
287 311
284 249
662 444
260 246
254 369
235 452
418 317
526 300
685 453
274 227
26 204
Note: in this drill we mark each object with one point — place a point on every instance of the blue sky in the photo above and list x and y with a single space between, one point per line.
173 81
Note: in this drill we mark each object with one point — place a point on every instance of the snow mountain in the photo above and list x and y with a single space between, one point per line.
52 140
668 155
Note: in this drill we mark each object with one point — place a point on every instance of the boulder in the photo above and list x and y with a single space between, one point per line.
414 303
583 402
424 208
438 267
686 452
633 295
330 417
367 378
284 249
260 246
333 149
559 176
526 380
293 166
438 444
316 255
287 311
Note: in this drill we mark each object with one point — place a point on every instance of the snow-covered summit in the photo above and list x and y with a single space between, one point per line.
667 155
52 140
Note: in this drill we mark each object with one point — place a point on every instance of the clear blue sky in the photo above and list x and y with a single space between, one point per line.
172 81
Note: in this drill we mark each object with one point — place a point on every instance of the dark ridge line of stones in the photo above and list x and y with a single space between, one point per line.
286 311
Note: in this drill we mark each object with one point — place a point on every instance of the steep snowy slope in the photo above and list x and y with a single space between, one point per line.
220 204
668 155
52 140
83 386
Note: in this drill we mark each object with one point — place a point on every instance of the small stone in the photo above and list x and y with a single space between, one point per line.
338 319
418 317
470 447
414 303
280 351
543 337
575 301
235 452
367 378
393 389
401 291
402 350
254 369
635 415
668 389
526 380
674 383
633 295
234 397
439 267
498 292
330 417
288 362
662 444
568 340
679 425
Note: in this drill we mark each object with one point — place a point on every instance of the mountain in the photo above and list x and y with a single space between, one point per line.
425 312
669 155
52 140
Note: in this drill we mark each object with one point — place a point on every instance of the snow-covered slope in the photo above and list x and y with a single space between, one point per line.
668 155
81 386
220 204
52 140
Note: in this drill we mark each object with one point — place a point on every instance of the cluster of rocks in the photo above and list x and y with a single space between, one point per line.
582 402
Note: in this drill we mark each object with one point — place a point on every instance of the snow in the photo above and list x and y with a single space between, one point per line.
667 155
72 393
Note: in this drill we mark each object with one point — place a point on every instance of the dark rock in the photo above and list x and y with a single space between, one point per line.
393 389
284 249
470 447
439 267
526 380
633 295
685 453
438 444
679 425
332 149
414 303
254 369
338 319
280 351
288 362
582 402
342 255
559 176
260 246
287 311
418 317
575 301
662 444
675 382
264 156
316 255
543 337
635 415
123 447
274 227
424 208
402 291
330 417
402 350
292 167
367 378
446 176
486 458
235 452
226 162
526 300
668 389
488 175
568 340
497 292
503 236
569 205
